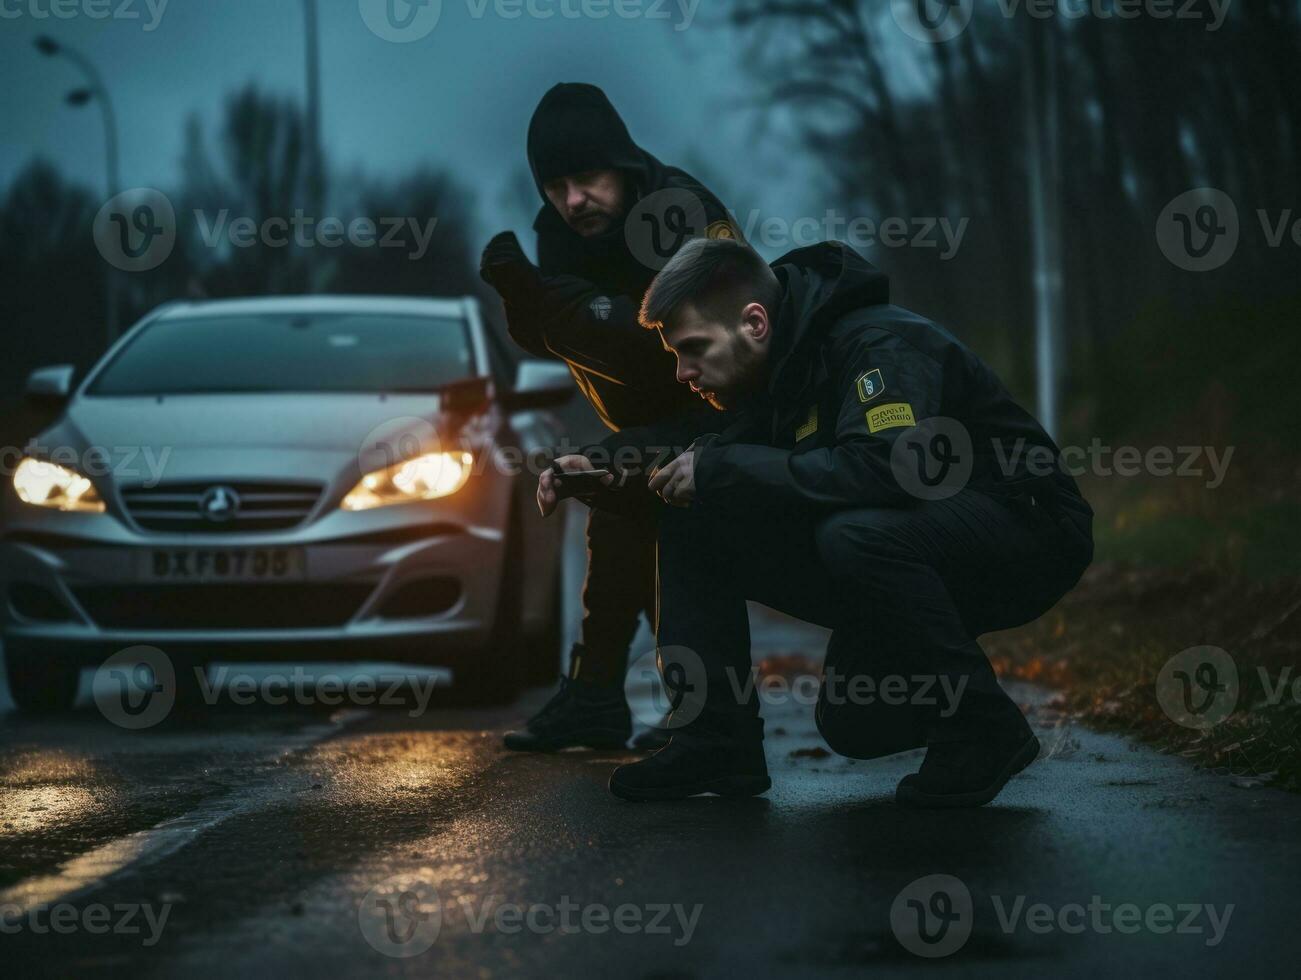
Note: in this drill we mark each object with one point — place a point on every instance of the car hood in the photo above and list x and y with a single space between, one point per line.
321 434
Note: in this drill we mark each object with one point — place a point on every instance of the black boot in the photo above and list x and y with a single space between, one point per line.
970 771
580 714
726 759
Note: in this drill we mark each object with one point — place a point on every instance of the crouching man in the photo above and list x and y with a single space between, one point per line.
881 482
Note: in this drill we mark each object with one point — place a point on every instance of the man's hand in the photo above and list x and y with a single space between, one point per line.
676 480
547 498
506 268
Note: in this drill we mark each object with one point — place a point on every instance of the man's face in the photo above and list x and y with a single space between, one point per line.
589 202
722 362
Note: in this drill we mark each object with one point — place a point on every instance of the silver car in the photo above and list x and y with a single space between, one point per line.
297 478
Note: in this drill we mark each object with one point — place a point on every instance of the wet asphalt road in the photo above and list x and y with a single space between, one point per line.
268 841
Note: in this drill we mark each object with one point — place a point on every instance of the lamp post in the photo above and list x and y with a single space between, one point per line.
315 168
96 90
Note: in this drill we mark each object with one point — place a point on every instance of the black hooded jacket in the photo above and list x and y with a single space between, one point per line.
587 312
851 374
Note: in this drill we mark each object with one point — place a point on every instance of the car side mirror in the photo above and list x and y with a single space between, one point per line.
539 384
50 387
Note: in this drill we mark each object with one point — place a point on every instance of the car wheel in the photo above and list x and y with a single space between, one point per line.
545 650
492 676
40 680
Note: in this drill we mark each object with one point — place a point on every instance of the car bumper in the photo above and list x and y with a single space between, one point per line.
412 586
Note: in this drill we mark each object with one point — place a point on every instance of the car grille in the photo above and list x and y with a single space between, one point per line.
223 607
176 507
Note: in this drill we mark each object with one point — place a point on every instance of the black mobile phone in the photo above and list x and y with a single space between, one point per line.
580 482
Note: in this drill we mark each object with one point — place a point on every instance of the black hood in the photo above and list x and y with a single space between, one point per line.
574 129
820 284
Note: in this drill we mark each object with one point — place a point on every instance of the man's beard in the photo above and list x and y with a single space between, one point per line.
749 380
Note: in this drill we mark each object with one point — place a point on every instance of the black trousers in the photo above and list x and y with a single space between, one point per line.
906 591
619 587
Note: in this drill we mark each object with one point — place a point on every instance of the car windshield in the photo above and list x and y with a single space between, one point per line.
359 352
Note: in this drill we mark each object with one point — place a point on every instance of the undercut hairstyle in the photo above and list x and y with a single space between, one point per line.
719 277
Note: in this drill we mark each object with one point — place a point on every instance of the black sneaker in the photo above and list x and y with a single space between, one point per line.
697 761
578 715
965 774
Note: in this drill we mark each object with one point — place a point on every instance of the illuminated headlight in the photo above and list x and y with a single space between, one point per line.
422 478
51 485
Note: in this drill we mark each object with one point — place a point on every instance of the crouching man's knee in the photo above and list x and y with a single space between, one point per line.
864 727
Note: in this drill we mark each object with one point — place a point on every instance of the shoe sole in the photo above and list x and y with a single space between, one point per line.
910 796
733 786
597 739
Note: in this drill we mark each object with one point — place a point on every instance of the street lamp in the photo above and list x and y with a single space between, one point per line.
97 91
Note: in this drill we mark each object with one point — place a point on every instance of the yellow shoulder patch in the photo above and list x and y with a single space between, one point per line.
894 415
722 229
809 427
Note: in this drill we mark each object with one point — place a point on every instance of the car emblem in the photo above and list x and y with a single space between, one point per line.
219 504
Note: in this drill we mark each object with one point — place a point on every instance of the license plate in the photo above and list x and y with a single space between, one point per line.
222 565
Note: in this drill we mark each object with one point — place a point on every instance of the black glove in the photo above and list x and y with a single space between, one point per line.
506 268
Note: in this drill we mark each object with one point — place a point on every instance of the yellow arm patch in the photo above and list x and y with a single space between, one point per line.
893 415
809 427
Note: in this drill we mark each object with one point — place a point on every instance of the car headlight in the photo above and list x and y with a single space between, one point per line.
420 478
48 484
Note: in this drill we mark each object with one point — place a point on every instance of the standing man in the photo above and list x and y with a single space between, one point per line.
612 214
881 482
